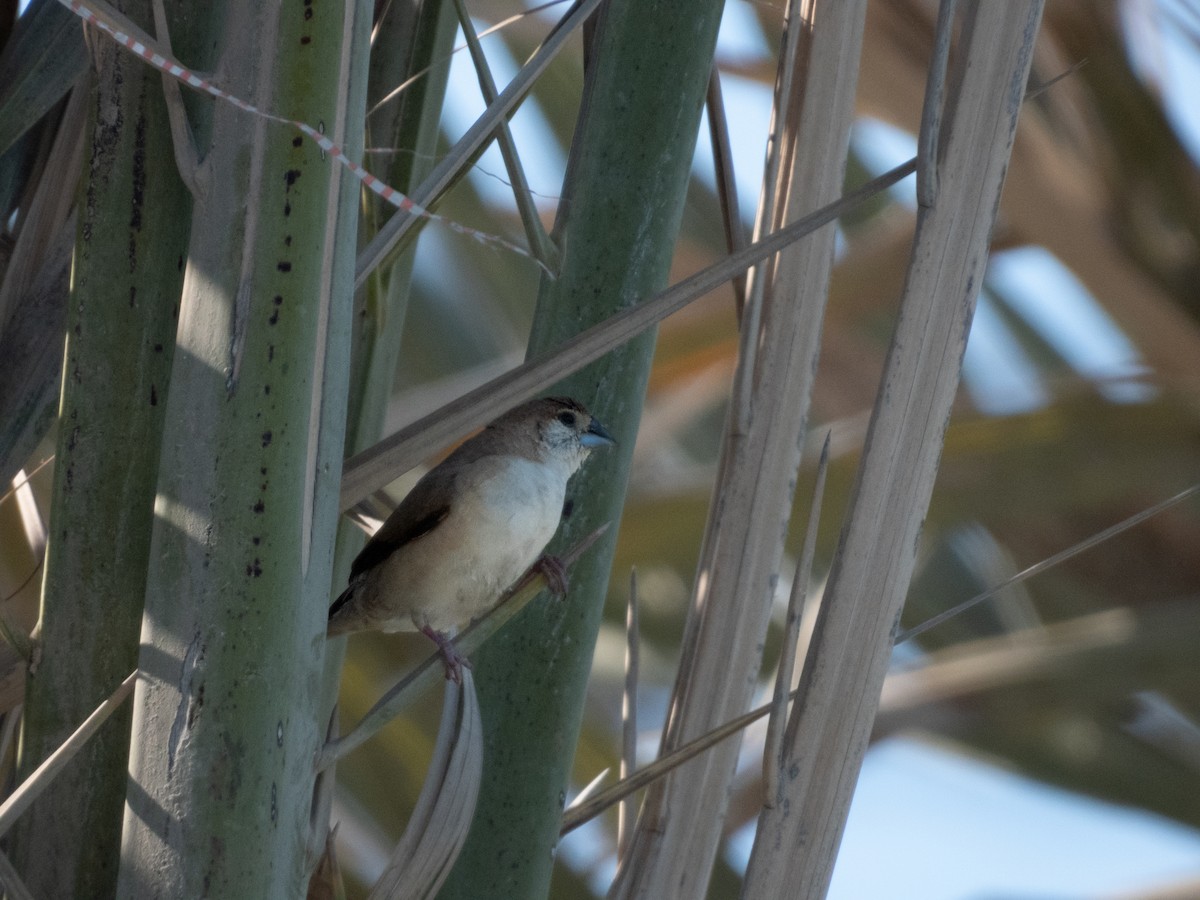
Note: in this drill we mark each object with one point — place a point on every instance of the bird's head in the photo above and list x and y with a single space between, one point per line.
566 431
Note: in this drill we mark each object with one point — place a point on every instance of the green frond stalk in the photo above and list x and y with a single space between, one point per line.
233 639
132 234
623 202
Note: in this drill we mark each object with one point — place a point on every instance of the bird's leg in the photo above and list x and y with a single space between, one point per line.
451 658
556 574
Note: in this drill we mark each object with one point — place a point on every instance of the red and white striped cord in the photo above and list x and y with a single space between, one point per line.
111 23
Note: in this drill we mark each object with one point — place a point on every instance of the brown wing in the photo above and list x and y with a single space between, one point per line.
418 514
422 510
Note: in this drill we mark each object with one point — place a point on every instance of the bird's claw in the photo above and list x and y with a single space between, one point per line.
555 573
453 661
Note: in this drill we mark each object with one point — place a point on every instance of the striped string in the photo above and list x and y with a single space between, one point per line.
111 23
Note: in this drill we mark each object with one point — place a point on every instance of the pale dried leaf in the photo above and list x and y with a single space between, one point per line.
852 642
773 749
440 822
680 827
31 787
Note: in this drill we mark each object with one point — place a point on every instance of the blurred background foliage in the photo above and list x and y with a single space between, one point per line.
1079 408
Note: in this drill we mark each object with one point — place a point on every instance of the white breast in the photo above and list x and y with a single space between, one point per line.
516 509
506 510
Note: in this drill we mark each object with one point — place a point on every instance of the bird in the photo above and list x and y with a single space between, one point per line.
471 527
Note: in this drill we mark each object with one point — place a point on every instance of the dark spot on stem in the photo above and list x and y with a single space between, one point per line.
138 186
284 266
266 439
260 507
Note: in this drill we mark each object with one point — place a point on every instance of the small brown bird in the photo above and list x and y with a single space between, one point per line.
471 527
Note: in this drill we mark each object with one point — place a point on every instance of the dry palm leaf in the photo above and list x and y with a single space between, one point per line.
439 824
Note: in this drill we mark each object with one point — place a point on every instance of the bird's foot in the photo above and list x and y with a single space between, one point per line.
555 572
451 658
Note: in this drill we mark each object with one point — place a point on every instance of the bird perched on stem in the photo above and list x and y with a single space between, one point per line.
471 527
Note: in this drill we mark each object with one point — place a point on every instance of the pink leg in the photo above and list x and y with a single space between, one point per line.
451 658
556 574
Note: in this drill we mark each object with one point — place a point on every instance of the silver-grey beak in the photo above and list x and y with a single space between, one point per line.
596 436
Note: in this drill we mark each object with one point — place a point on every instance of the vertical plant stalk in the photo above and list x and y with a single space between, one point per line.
133 227
681 822
727 194
623 202
234 633
773 743
408 40
798 837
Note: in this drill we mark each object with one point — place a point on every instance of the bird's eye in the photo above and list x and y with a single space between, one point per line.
567 418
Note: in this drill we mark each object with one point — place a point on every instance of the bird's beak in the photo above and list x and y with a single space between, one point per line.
596 436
